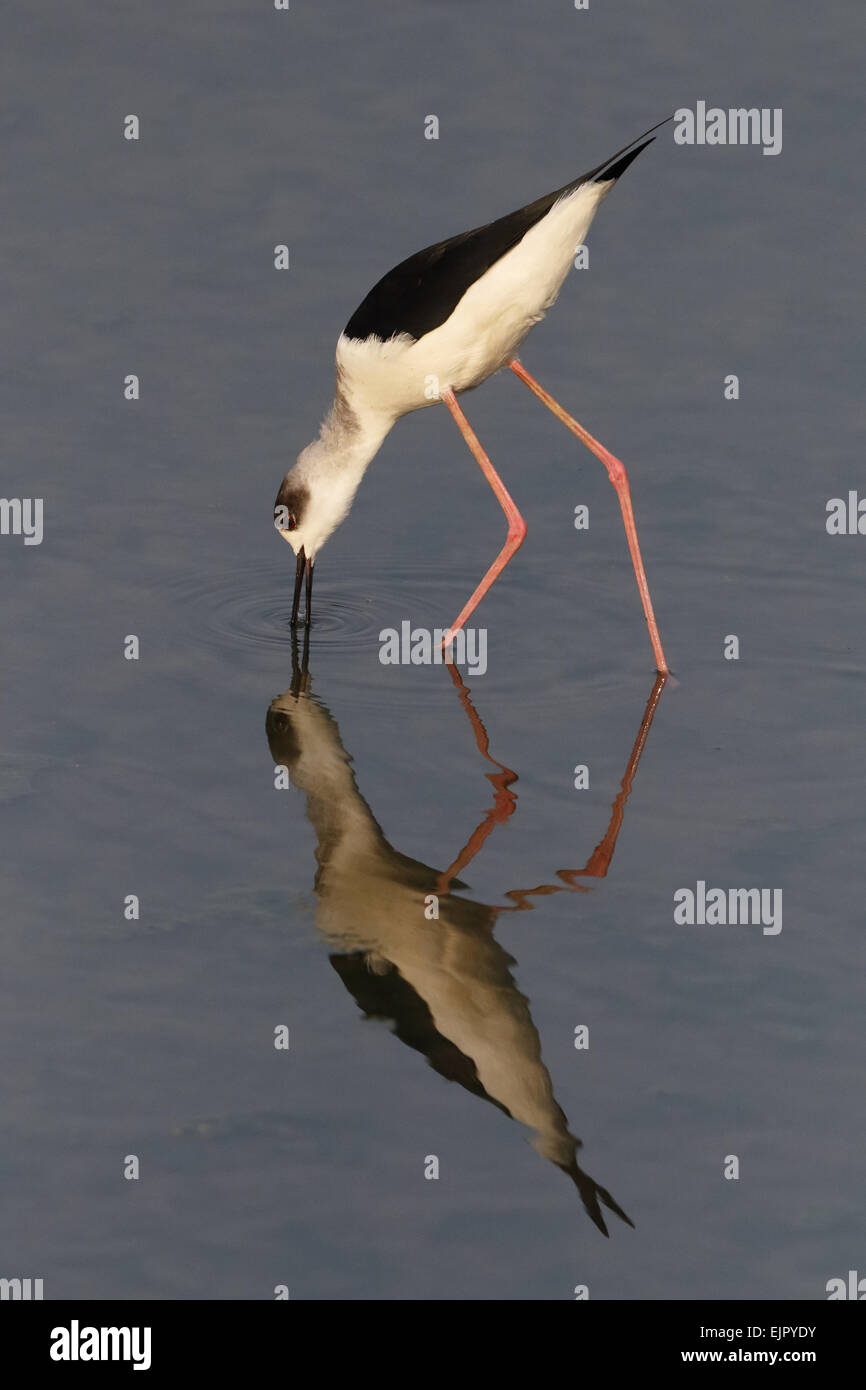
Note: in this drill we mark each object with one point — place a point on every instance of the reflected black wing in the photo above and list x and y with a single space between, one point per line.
420 294
391 998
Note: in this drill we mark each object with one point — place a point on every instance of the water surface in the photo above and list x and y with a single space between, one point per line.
155 1037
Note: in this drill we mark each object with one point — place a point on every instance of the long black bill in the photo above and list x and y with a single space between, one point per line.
309 571
296 601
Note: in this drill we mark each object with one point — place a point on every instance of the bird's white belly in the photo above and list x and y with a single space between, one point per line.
486 327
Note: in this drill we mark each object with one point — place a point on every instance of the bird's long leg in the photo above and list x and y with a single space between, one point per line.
516 524
617 474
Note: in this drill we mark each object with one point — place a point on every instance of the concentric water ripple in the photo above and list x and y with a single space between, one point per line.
249 606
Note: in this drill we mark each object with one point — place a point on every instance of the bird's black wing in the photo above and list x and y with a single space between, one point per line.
420 294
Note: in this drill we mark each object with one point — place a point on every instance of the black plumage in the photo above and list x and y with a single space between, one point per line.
420 293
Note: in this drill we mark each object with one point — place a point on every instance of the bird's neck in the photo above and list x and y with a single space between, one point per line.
352 434
331 468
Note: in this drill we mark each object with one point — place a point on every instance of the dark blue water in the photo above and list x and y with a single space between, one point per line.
411 1038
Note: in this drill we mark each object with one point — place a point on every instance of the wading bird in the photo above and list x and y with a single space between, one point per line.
451 315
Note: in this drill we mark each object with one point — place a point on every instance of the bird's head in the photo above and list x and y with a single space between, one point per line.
291 511
314 498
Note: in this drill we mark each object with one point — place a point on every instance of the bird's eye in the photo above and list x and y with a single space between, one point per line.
284 520
291 521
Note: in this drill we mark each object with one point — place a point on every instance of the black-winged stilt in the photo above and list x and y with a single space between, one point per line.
436 325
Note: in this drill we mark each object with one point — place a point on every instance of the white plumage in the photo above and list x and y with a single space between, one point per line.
378 381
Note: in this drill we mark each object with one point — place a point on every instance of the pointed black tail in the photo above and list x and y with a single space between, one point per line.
619 162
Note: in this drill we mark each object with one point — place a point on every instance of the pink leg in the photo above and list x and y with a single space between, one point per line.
617 474
516 524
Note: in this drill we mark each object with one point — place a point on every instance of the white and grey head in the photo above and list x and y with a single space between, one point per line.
314 497
316 494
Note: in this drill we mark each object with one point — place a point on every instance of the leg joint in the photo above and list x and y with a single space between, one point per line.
616 471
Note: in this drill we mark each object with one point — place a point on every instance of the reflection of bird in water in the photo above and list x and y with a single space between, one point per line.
446 984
